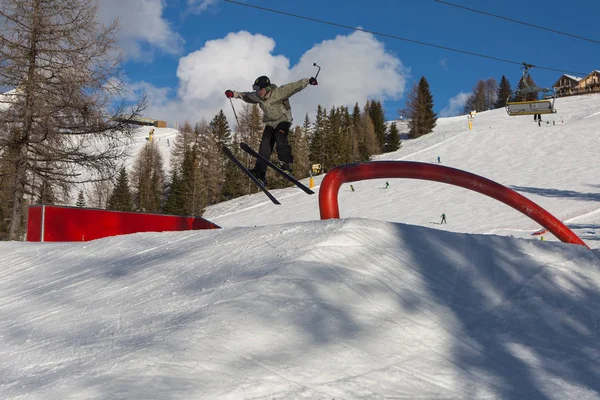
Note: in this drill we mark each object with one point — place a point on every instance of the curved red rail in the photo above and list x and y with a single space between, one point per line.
328 193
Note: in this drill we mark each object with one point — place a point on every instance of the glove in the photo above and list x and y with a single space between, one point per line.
313 81
229 94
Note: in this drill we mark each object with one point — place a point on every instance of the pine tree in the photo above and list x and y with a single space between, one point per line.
303 152
411 109
300 150
504 93
429 117
192 187
219 127
378 118
355 135
525 82
234 179
199 187
174 203
317 144
332 138
219 130
80 200
209 163
249 131
307 128
346 137
393 141
419 110
148 178
368 142
121 200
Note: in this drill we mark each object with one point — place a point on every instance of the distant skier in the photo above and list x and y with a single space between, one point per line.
351 188
443 219
439 160
387 184
277 116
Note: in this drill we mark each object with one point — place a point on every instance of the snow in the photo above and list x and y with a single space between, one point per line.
384 303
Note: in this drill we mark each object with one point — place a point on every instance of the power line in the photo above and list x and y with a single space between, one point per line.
518 22
397 37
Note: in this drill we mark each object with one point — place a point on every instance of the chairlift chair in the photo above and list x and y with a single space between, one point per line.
531 107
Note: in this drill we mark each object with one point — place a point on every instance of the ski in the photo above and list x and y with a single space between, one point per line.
281 172
258 183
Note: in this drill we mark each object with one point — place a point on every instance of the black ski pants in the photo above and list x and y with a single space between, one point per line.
270 137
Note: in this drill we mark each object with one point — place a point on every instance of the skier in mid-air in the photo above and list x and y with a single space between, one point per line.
277 116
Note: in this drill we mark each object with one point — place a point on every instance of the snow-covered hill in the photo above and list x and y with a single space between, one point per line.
384 303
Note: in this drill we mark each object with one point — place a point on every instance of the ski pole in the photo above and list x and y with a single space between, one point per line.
319 70
234 113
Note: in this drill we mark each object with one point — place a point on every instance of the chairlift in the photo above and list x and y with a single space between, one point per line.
532 107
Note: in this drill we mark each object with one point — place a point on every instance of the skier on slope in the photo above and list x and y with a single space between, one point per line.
277 116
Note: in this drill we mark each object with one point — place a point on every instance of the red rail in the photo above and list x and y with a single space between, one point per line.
328 193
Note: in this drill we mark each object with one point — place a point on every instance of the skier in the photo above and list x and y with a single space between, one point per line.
439 160
443 219
387 184
352 188
277 116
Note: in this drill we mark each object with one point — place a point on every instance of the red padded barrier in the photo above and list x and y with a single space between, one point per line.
75 224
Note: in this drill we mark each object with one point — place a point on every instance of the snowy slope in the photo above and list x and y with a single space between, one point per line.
552 165
281 305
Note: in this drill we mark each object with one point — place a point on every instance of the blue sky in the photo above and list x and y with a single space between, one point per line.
185 53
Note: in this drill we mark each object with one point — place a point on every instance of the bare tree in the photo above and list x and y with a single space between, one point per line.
67 118
491 93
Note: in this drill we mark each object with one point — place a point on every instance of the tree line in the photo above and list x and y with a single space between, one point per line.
202 175
488 94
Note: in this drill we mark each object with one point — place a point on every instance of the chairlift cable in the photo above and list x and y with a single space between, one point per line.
396 37
517 21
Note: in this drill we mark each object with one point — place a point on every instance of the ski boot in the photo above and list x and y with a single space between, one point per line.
287 167
261 176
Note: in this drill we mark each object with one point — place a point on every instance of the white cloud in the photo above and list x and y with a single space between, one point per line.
197 6
355 67
142 27
455 105
444 64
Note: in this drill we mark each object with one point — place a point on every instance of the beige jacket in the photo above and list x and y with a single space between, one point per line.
275 105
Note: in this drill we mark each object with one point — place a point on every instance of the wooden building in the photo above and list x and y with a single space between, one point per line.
589 84
565 85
